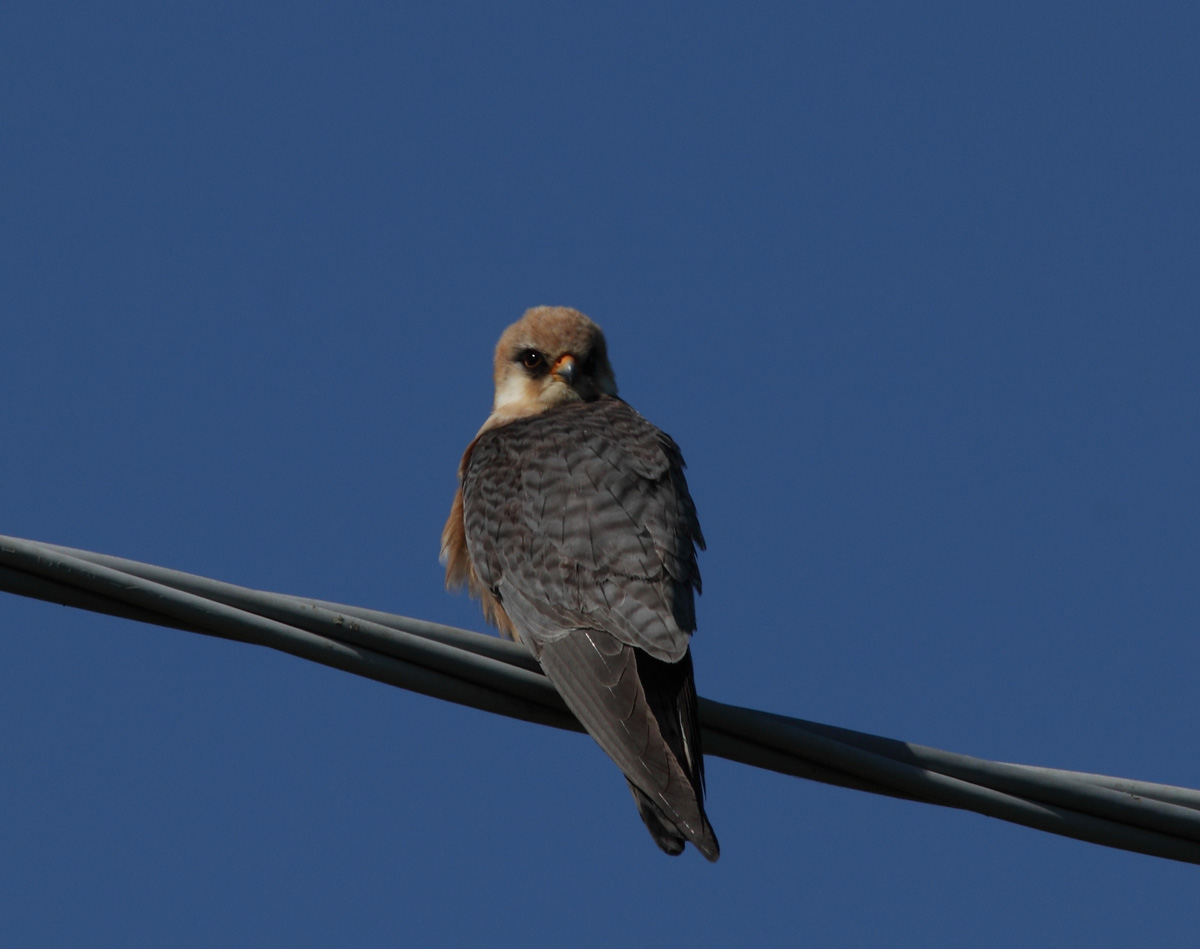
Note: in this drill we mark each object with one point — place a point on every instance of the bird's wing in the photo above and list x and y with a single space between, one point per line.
580 521
584 511
642 712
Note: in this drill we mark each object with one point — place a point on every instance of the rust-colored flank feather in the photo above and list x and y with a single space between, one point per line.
573 527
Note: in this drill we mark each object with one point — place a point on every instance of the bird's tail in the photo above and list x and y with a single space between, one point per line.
642 712
668 837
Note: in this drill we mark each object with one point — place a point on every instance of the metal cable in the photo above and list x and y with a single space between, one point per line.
492 674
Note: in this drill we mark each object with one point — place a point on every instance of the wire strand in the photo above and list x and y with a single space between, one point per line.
495 675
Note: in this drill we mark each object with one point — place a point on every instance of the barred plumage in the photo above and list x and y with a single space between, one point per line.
575 528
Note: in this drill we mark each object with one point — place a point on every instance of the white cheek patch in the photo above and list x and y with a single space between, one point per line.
518 396
512 390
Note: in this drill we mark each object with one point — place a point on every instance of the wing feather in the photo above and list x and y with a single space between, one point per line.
579 522
630 704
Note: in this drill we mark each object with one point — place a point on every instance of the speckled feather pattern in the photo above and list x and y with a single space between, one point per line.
584 509
579 527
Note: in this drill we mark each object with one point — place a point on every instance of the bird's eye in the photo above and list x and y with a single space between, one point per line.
588 366
532 359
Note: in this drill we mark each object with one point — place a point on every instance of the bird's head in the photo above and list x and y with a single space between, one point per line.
552 355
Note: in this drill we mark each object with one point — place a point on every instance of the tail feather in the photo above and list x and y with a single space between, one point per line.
642 712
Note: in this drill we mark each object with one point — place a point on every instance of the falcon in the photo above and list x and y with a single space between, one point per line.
573 527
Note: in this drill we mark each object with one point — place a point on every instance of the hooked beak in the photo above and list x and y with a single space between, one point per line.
566 369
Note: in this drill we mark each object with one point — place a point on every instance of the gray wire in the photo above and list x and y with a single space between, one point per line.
495 675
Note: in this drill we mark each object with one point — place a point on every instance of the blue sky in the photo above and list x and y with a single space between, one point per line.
915 287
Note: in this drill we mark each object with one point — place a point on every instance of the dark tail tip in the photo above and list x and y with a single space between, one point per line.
670 838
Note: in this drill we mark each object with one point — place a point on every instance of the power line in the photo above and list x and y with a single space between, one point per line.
489 673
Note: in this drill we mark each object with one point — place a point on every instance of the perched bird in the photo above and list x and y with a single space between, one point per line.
574 528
